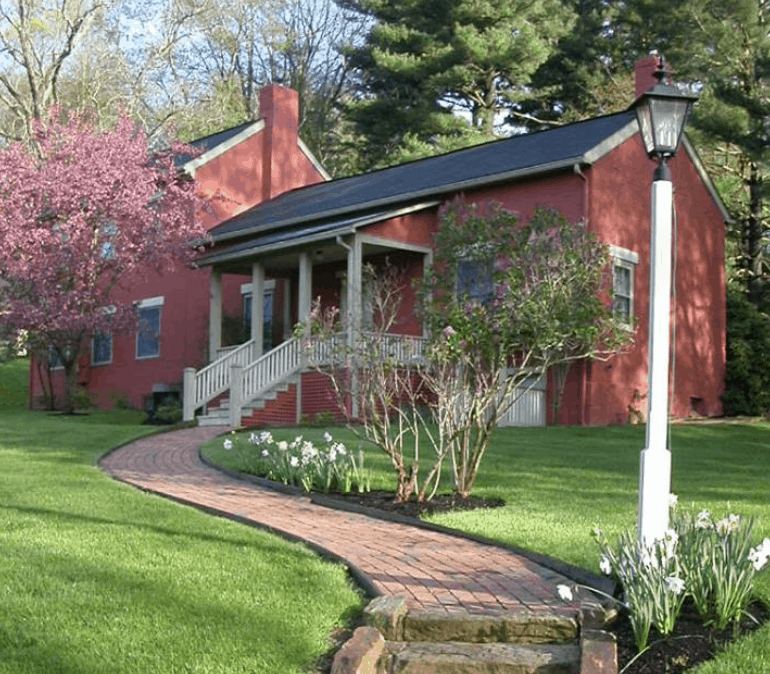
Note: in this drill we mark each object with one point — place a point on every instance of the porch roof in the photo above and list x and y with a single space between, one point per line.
307 234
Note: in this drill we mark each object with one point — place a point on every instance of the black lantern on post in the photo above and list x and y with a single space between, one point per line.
662 114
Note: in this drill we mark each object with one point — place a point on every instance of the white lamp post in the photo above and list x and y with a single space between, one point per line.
662 113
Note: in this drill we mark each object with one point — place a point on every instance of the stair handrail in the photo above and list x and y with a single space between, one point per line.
270 369
214 379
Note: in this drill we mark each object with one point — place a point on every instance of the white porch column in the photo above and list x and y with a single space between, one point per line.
355 301
354 288
188 394
288 328
236 399
215 314
257 307
305 290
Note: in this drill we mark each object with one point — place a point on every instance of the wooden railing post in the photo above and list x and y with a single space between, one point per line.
188 394
236 386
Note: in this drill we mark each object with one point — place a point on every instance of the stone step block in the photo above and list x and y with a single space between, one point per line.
492 658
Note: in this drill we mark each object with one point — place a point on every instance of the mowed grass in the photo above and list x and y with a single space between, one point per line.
96 576
559 482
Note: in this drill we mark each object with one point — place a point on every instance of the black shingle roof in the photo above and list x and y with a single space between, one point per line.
210 142
521 155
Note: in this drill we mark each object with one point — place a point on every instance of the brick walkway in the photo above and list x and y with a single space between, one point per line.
434 570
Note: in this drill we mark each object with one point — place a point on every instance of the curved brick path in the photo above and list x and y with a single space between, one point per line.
434 570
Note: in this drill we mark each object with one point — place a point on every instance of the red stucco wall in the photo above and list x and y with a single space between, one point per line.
620 213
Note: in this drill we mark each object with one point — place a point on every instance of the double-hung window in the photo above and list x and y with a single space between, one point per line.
148 333
474 277
623 266
101 343
101 348
267 313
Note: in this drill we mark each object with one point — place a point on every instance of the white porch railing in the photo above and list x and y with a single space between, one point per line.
269 369
203 386
402 348
246 377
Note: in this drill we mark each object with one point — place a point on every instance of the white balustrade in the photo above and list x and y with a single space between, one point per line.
258 375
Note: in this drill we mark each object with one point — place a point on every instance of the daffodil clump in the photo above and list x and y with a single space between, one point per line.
300 463
709 560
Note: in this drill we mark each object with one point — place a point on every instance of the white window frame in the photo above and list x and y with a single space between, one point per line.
625 259
94 362
150 303
246 291
474 255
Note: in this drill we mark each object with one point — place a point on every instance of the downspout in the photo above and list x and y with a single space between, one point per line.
339 240
584 382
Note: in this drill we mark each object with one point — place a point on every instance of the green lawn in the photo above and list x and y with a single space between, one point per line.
96 576
558 482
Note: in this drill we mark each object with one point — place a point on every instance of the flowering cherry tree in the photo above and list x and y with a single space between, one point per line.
81 212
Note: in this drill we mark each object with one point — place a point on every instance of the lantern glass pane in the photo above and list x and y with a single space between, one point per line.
668 118
645 125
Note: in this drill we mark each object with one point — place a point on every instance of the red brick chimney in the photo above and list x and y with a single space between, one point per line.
643 75
279 108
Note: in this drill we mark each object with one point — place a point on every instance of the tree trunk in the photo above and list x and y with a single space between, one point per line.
753 236
68 402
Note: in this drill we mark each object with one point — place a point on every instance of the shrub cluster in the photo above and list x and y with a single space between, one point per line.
747 377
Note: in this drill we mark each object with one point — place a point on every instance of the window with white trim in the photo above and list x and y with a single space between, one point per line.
623 267
101 348
148 332
474 279
267 313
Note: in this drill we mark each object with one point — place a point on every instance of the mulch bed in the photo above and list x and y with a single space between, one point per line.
690 644
383 500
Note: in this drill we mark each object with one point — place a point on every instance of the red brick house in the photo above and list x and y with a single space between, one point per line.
285 235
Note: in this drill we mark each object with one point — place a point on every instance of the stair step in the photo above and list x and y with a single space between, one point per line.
219 416
213 421
389 614
492 658
521 627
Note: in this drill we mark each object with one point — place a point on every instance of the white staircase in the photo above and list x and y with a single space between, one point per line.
220 415
244 379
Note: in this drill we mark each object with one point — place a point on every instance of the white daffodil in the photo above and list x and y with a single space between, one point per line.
605 565
327 437
675 584
228 444
283 445
703 520
565 593
670 539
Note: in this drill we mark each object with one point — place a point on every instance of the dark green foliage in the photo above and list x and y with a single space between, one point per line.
747 380
425 60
